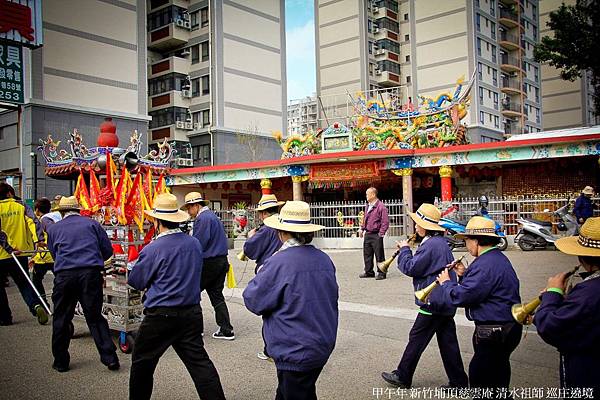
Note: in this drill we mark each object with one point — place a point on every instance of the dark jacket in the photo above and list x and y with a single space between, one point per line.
296 293
488 289
583 207
170 268
78 242
430 258
209 230
571 323
262 245
376 220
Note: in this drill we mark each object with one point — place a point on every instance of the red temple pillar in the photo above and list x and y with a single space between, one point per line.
446 175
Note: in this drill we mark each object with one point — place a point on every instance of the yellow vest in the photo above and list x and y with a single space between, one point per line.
43 257
19 228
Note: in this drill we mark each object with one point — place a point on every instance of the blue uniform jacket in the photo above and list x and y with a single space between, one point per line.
296 293
430 258
170 268
583 208
209 230
78 242
488 289
572 325
262 245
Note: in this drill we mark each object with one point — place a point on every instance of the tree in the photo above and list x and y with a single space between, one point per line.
251 142
575 47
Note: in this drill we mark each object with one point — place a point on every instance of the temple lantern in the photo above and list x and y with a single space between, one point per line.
108 134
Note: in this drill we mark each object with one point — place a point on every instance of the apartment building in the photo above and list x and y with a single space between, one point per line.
302 115
566 104
425 46
217 78
92 65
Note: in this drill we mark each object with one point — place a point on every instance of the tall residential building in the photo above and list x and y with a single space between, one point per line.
92 65
302 115
566 104
424 46
217 77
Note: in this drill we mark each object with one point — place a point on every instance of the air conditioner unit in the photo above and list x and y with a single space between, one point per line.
185 162
189 126
189 162
180 124
186 52
375 30
179 22
377 72
375 9
380 52
187 24
197 125
186 93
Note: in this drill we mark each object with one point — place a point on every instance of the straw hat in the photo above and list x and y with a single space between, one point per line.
427 217
588 190
293 217
55 202
166 209
193 198
586 244
268 201
479 226
68 204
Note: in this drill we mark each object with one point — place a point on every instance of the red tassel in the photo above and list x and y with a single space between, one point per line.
132 252
117 249
147 238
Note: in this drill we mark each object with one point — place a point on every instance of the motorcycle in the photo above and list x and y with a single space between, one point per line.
454 227
535 234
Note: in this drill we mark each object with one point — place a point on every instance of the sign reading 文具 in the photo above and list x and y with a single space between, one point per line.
11 73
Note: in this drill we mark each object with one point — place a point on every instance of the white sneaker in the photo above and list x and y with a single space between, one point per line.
261 355
220 335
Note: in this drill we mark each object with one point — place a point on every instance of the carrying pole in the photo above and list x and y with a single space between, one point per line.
31 284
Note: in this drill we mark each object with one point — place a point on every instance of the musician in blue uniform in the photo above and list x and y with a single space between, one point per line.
487 290
210 232
263 241
571 322
169 269
79 246
434 317
296 293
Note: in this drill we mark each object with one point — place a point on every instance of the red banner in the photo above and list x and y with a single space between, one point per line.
344 172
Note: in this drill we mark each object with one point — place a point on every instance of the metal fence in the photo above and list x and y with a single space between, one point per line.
342 219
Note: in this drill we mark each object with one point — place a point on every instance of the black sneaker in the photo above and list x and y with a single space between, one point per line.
220 335
60 368
367 275
380 276
114 366
393 379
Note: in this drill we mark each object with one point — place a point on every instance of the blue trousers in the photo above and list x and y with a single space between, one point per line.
83 285
9 267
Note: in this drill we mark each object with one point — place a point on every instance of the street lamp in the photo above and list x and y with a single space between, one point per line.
33 156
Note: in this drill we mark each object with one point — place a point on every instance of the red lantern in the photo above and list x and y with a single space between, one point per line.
460 169
214 186
486 172
226 186
238 186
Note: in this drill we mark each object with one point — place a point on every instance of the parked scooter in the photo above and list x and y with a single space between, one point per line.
535 234
454 227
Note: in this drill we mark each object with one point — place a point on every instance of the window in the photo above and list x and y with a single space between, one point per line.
196 88
535 33
480 95
493 30
204 17
406 17
496 121
536 74
406 38
495 77
537 115
495 101
205 117
407 78
167 116
165 16
201 154
165 83
478 46
478 22
389 45
204 46
195 54
389 24
389 66
205 85
537 94
487 46
194 20
534 11
493 7
407 58
494 58
481 117
479 69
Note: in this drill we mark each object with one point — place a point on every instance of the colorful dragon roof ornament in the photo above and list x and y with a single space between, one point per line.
388 124
66 163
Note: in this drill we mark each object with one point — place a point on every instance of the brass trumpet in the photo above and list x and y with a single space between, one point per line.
522 312
385 265
241 256
424 293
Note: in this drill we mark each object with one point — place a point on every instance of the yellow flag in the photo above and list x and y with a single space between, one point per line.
231 283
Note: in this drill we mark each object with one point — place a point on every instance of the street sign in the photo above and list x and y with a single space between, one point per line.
21 22
11 73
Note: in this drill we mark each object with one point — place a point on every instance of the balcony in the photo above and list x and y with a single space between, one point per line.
168 37
382 33
508 18
173 98
509 41
511 110
509 63
167 65
386 78
381 12
384 54
510 86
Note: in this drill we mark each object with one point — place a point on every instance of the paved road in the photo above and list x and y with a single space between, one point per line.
375 317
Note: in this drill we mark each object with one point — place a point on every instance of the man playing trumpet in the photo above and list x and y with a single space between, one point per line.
434 317
571 323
